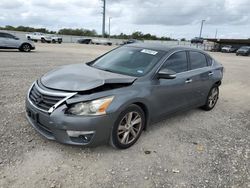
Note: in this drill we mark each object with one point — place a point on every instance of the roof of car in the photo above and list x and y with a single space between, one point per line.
160 47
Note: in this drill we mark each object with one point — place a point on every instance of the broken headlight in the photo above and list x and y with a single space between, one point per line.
94 107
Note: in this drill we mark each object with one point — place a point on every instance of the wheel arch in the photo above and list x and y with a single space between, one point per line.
140 103
145 109
218 83
20 47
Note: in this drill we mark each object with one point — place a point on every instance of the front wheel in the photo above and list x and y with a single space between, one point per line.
25 48
211 99
128 127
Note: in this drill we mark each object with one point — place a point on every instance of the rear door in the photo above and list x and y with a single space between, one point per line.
199 76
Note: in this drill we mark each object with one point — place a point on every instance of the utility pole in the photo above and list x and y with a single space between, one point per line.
216 33
109 26
103 18
202 21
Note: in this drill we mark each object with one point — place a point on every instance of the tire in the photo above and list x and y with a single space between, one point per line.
43 40
212 98
124 135
25 47
53 41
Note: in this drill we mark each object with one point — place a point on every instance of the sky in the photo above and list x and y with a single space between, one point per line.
170 18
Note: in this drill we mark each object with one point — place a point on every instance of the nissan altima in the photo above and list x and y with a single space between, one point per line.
113 98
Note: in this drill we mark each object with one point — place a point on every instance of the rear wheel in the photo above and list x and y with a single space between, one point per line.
25 48
128 127
212 98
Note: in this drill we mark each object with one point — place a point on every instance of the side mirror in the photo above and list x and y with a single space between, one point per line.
16 38
166 74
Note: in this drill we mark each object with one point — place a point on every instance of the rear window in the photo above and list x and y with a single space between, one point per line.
197 60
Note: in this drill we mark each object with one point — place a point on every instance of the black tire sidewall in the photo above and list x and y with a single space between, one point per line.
114 139
206 106
22 48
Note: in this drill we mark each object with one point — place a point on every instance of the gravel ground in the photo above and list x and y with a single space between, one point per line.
190 149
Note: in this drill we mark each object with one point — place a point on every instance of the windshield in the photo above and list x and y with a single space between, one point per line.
129 61
245 47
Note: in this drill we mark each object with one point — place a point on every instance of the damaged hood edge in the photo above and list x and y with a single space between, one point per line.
81 77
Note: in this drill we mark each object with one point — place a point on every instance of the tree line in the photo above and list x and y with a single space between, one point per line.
86 32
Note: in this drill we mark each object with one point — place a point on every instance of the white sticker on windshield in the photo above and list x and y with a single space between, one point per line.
140 71
151 52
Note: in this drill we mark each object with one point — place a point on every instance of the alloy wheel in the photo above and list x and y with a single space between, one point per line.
26 48
212 99
129 127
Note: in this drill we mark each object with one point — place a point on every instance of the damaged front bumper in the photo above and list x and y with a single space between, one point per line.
69 129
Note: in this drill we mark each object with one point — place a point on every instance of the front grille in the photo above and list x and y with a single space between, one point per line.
41 100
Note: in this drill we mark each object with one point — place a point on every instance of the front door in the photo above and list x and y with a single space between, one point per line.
169 95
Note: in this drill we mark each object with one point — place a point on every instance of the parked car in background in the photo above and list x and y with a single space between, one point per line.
131 41
216 48
56 39
228 49
102 42
113 98
9 41
44 38
244 50
197 40
84 41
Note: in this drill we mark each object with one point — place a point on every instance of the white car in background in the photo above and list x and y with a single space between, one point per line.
101 42
44 38
9 41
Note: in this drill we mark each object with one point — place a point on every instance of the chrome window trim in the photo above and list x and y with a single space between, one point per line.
186 50
56 94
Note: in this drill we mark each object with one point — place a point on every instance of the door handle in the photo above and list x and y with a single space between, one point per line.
210 73
188 81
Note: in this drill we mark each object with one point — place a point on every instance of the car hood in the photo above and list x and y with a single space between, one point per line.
82 77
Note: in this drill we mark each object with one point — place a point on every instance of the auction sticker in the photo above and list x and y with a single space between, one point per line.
151 52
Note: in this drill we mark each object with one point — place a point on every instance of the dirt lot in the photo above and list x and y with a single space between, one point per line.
191 149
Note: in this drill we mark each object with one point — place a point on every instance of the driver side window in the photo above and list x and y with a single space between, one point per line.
177 62
6 35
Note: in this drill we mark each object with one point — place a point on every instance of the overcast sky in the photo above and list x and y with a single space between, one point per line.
174 18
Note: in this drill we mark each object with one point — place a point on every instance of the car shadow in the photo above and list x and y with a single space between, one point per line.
14 50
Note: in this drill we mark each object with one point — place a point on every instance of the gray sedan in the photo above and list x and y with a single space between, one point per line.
115 97
9 41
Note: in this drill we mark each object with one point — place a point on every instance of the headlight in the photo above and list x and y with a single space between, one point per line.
95 107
